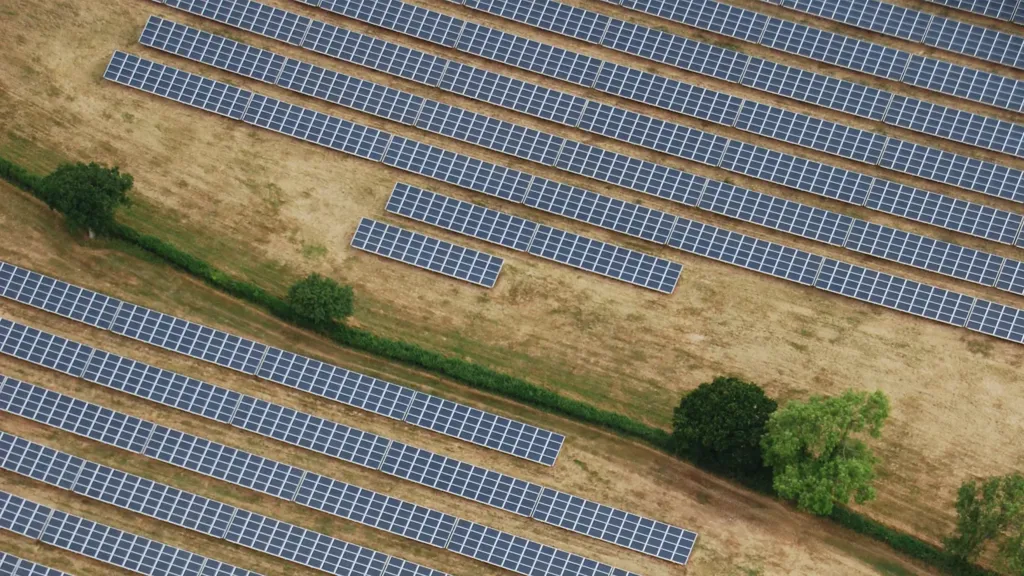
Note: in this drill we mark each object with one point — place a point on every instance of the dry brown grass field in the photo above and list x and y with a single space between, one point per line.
270 209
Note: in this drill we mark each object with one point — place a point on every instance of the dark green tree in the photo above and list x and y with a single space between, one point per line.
720 424
87 194
990 512
815 455
319 300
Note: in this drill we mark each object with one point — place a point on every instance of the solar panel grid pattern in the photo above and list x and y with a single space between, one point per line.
251 471
100 542
462 217
14 566
858 54
998 9
318 492
548 153
277 365
921 27
428 253
684 53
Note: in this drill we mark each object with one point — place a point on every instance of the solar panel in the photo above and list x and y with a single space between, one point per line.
22 516
1011 277
28 287
797 172
563 19
977 41
336 383
810 132
189 338
599 210
458 169
251 16
484 429
1000 9
197 397
633 173
707 15
956 125
374 53
669 94
964 82
923 252
512 93
207 48
375 510
178 85
944 211
462 217
405 18
776 213
119 548
350 92
894 292
317 128
997 320
39 462
489 132
678 51
873 15
529 54
823 90
955 169
653 133
745 251
461 479
606 259
616 526
428 253
519 555
11 564
833 48
73 415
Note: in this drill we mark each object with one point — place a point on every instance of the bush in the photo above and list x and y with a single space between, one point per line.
320 301
720 425
87 195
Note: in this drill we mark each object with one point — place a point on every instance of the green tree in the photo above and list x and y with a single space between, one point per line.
319 300
87 194
815 454
992 511
720 424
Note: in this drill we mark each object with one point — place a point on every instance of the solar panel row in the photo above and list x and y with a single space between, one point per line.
999 9
14 566
194 512
852 53
921 27
100 542
280 366
762 259
347 501
283 424
673 139
949 123
428 253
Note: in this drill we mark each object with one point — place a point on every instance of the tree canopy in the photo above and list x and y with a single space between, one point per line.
319 300
720 424
991 512
87 194
816 452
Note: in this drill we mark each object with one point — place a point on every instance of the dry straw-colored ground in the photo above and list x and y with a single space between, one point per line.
270 209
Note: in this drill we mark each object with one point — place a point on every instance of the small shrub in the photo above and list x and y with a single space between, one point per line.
320 301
